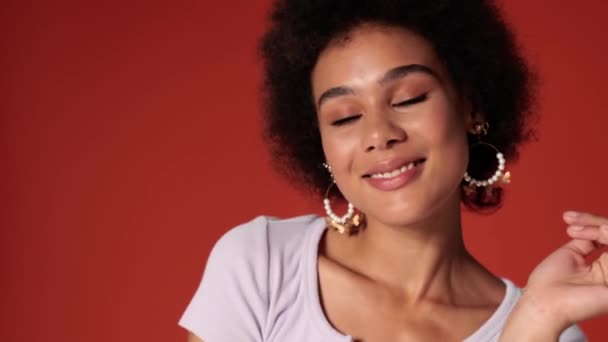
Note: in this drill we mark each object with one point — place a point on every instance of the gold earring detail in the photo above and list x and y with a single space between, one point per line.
350 222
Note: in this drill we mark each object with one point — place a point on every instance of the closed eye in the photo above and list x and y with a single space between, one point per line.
346 120
412 101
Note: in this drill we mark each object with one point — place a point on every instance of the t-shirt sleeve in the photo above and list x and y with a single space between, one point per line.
573 334
231 301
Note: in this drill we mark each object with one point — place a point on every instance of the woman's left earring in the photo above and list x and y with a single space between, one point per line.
499 174
350 222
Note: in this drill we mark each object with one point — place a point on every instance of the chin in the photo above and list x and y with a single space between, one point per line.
404 217
408 212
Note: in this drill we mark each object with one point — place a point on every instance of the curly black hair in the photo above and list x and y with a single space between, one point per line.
470 37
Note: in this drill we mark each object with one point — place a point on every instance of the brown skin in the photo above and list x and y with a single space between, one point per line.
564 288
407 275
435 128
193 338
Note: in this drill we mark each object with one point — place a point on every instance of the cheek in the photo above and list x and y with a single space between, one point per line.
443 124
339 150
444 131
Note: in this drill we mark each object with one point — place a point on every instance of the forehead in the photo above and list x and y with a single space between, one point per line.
365 53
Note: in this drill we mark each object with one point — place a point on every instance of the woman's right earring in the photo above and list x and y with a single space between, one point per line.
350 222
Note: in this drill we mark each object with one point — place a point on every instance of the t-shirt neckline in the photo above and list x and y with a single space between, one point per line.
488 329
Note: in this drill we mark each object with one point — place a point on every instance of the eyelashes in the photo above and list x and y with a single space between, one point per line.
406 103
412 101
346 120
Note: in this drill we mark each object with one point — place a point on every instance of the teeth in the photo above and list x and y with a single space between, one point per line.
395 172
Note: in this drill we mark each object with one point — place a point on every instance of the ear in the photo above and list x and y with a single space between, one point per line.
472 117
477 124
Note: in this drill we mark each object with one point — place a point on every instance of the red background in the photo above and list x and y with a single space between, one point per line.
130 142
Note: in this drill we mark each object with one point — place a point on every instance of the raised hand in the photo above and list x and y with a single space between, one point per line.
566 287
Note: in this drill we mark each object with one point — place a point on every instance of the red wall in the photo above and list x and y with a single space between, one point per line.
130 142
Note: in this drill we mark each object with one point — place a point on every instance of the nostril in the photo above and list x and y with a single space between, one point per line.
391 142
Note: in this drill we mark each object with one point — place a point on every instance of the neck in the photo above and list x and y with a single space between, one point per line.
422 260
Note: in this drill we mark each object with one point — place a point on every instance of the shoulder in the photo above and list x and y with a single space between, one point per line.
572 334
492 328
263 233
245 271
256 248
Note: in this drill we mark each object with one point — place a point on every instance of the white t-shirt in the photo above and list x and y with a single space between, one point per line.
260 284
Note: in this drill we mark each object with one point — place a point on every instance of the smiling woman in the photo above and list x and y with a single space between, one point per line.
427 134
385 100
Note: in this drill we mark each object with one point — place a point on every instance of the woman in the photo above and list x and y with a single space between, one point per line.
406 110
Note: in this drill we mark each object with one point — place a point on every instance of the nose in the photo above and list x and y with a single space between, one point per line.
381 133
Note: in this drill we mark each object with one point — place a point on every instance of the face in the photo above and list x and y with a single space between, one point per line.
392 124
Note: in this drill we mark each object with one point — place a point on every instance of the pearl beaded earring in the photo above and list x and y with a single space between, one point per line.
499 174
348 223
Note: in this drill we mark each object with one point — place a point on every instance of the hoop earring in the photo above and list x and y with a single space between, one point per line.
350 222
499 174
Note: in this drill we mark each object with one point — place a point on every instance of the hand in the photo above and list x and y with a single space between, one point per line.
568 286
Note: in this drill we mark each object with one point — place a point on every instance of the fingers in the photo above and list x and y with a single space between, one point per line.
584 219
589 233
581 246
602 265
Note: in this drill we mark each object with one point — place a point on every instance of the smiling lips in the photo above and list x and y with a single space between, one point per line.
394 174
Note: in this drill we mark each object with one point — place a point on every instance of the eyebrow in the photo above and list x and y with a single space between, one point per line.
390 76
